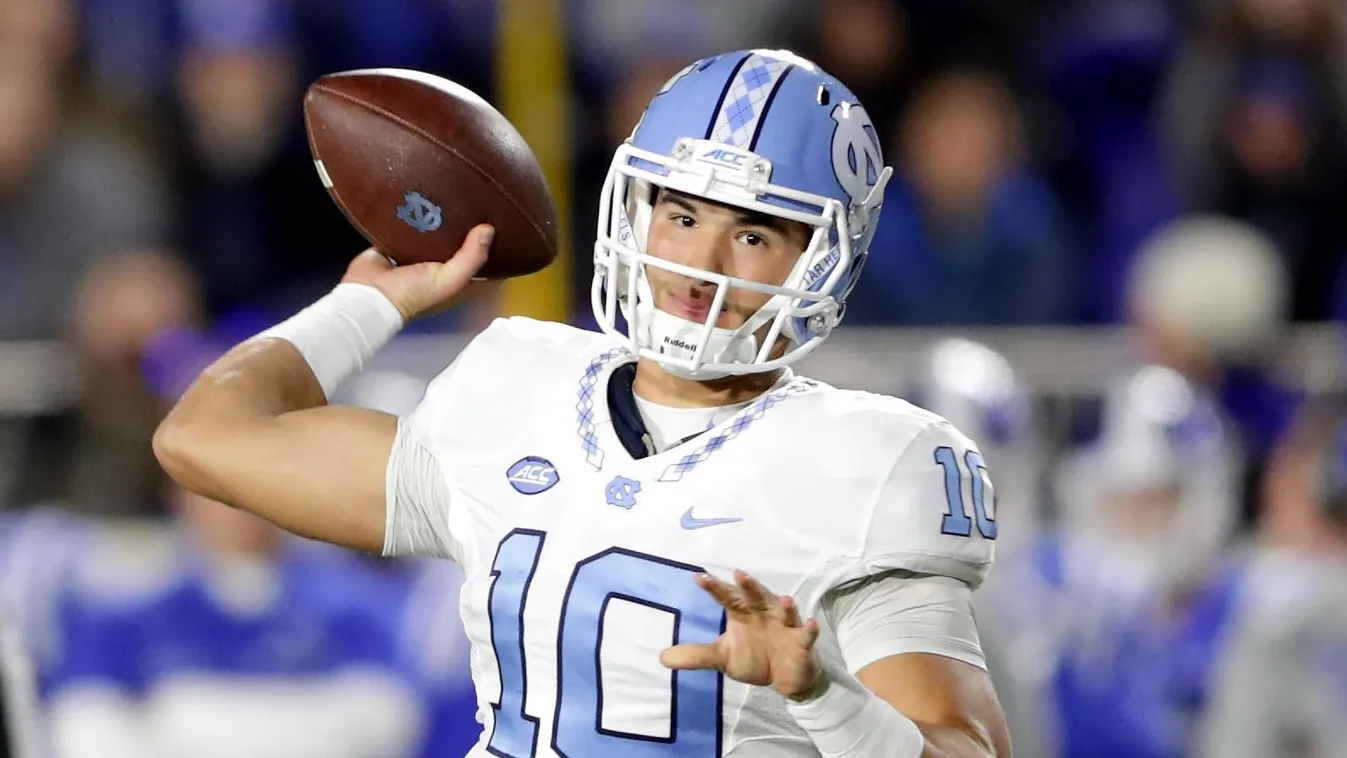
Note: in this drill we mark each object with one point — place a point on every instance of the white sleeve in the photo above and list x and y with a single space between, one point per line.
417 501
901 612
935 513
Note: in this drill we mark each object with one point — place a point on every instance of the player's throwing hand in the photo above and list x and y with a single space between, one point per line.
422 288
764 643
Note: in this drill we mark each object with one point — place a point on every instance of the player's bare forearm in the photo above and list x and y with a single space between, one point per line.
255 431
958 742
953 704
256 380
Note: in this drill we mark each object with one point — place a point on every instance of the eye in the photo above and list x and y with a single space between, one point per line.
752 239
683 220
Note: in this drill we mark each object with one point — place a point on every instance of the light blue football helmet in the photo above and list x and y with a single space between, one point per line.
763 130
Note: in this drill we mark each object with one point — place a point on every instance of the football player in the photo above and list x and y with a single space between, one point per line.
672 545
1116 616
1281 684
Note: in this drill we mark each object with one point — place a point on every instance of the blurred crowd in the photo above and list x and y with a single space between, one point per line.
1170 575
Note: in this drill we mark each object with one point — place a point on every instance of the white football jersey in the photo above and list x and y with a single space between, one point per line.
579 560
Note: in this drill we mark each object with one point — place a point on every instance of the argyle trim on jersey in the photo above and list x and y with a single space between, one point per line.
584 406
755 410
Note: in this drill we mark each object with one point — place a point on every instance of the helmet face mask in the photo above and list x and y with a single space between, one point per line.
800 310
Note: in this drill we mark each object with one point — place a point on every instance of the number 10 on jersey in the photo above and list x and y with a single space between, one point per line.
957 522
693 725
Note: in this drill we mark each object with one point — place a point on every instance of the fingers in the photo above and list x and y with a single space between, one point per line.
790 611
749 596
724 592
809 634
691 657
808 631
369 262
460 269
758 597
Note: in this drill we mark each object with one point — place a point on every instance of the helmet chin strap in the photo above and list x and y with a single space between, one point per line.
679 338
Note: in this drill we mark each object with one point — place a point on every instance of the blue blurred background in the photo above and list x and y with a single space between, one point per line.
1112 253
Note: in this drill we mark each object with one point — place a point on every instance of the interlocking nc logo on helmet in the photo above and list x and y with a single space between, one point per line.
856 157
419 213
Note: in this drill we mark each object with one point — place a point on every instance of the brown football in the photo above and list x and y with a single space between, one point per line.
415 161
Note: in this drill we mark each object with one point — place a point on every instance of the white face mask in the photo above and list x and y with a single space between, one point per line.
801 311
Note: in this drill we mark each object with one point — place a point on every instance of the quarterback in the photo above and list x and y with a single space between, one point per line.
672 545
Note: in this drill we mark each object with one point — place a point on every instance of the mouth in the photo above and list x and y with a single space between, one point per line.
690 307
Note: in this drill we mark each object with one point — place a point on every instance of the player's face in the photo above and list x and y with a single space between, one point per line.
723 240
1143 515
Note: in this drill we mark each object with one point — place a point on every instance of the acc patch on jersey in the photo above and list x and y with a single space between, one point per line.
531 475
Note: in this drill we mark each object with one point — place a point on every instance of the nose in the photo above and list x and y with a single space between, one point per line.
708 252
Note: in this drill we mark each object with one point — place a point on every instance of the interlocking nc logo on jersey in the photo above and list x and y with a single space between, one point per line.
531 475
419 213
622 492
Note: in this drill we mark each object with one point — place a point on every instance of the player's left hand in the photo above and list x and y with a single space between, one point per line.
764 642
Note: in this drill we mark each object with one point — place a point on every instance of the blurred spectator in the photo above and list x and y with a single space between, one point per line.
865 44
257 224
1182 284
38 29
223 636
228 640
436 649
1255 115
609 38
1101 65
968 235
1210 297
1282 683
53 173
238 91
1113 620
83 227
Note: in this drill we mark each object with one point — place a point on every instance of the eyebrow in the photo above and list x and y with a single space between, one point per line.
741 216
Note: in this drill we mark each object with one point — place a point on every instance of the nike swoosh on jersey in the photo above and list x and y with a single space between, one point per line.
691 522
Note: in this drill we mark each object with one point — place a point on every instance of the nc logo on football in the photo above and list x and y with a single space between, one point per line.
531 475
419 213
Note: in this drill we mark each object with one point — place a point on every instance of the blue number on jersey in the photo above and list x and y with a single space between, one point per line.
695 706
957 522
515 733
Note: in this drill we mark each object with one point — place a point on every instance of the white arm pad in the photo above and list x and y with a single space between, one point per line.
339 332
417 500
846 720
895 613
